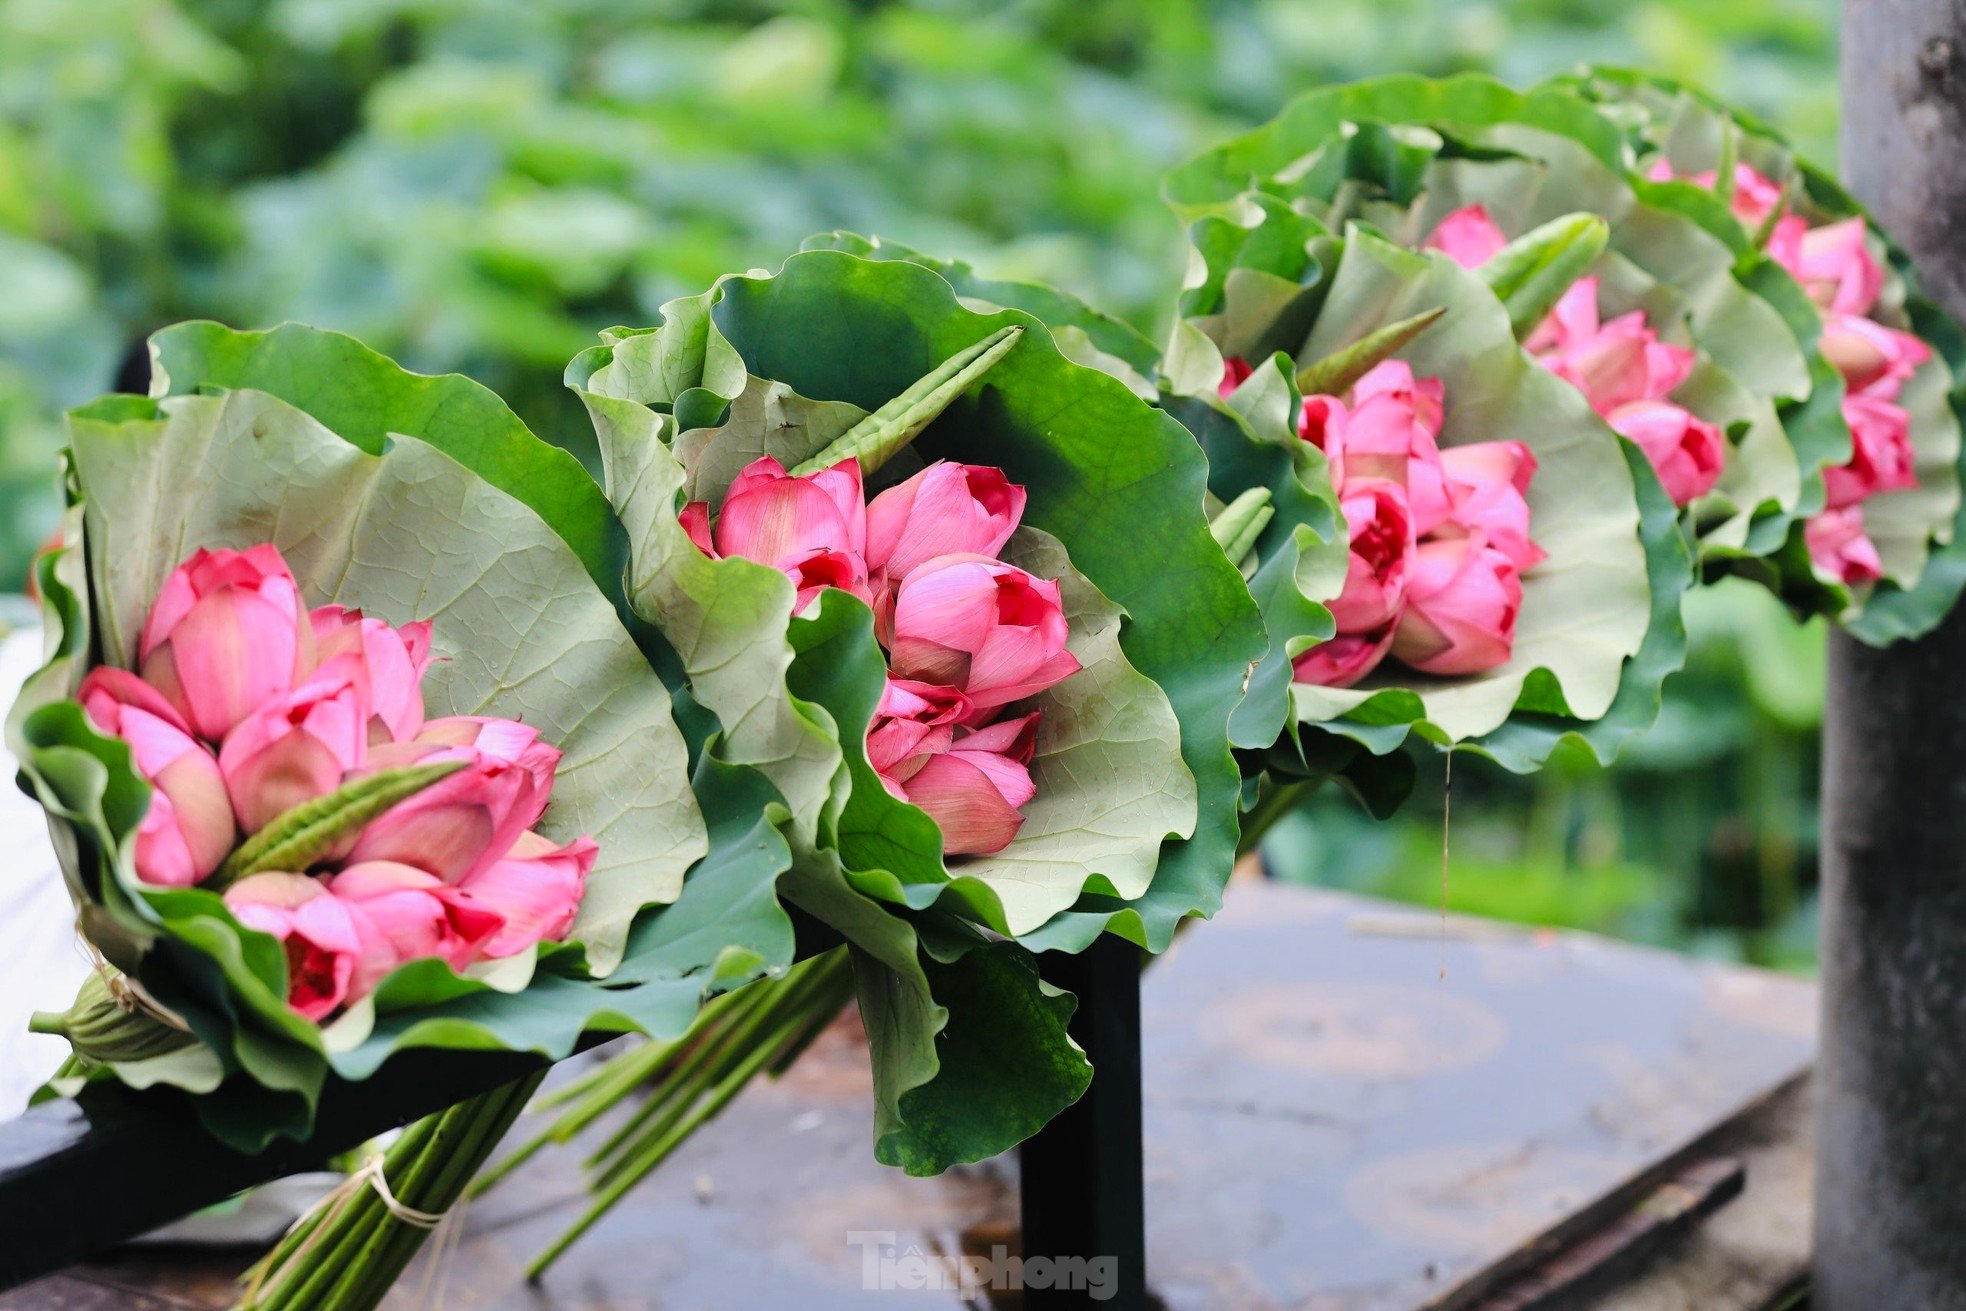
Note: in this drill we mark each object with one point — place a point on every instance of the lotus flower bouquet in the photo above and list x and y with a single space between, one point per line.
1685 339
1476 487
293 771
346 750
957 597
1892 503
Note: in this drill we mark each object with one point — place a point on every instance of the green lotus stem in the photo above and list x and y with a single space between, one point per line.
1335 374
296 840
1241 522
878 437
1730 154
1531 273
702 1068
1274 800
1764 233
314 1251
768 1024
446 1173
360 1264
781 1019
574 1088
599 1089
676 1072
626 1176
349 1252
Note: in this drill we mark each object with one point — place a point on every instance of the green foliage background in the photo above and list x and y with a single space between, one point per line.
480 185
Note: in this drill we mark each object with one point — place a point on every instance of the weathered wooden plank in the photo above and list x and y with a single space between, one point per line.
79 1177
1330 1124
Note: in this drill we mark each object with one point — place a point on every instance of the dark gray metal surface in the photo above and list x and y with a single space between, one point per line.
1891 1208
1331 1124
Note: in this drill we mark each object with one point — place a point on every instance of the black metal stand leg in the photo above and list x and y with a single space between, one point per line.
1083 1197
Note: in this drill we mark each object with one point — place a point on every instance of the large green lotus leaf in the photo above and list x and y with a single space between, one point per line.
1587 609
1556 155
362 397
405 533
1300 557
921 980
1119 484
822 678
1005 1064
1085 334
1527 739
1530 159
1921 533
1286 256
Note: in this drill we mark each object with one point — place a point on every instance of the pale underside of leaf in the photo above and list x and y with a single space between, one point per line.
725 618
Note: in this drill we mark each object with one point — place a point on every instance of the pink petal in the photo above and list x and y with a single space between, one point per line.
966 805
1343 660
535 891
1467 236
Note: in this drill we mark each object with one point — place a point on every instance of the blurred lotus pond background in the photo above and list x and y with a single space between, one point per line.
480 185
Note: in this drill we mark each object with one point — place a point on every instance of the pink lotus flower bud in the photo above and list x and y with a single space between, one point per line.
913 721
1509 464
1462 599
1686 451
1381 554
534 890
227 634
1881 456
988 629
1235 372
1467 236
402 914
187 831
1614 364
322 943
1834 265
1485 484
1344 659
973 790
461 824
946 509
1755 196
1871 357
392 662
1840 549
1390 433
1321 422
505 739
297 747
812 529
